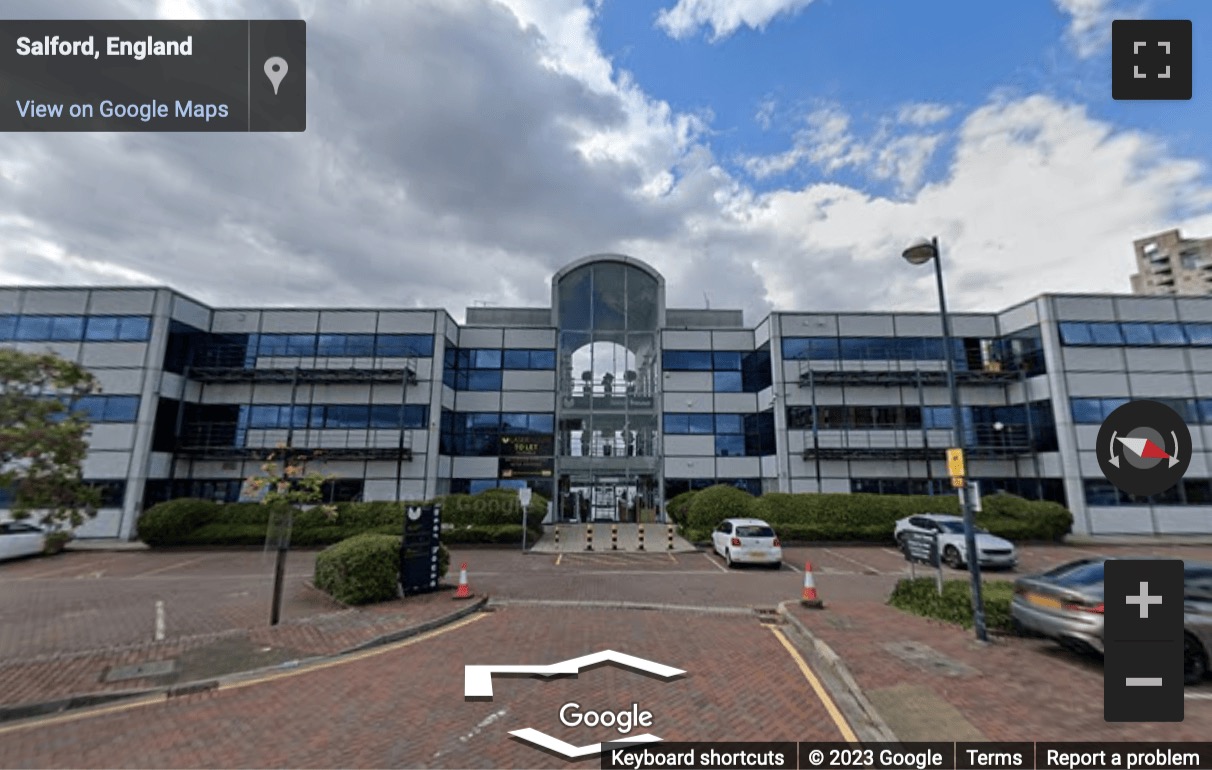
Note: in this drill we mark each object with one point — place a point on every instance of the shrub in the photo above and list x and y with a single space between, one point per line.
678 507
365 568
486 533
712 505
921 597
170 523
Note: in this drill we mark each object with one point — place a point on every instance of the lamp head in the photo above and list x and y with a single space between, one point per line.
920 252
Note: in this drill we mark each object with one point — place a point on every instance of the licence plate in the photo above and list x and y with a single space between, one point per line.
1044 601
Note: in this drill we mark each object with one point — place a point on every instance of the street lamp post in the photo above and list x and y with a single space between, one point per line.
919 253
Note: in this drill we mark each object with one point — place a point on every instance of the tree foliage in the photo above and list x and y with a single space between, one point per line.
286 481
43 442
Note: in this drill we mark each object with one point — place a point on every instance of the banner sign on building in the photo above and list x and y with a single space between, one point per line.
419 549
526 467
528 446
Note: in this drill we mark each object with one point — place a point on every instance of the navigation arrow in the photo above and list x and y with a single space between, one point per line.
531 735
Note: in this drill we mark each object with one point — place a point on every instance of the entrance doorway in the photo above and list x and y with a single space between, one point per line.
608 499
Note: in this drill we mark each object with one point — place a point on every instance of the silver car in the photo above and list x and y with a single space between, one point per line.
1066 604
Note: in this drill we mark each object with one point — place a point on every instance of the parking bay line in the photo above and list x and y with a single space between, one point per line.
871 570
170 566
714 563
834 712
165 698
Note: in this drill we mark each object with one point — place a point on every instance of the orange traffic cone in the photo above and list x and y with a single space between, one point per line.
809 597
464 590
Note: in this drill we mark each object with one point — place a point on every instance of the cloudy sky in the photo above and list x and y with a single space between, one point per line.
763 154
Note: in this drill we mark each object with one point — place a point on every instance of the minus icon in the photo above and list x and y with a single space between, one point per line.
1143 681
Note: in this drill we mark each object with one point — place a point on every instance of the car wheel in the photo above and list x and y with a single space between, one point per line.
728 559
951 557
1195 661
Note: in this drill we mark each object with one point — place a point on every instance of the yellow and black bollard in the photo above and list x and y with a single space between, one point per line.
640 532
614 537
669 532
588 537
557 536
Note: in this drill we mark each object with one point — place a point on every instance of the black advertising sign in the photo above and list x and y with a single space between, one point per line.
527 467
419 549
527 446
920 547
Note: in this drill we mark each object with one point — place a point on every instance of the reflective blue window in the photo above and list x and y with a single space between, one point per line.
33 327
330 345
68 328
109 408
542 359
262 416
405 345
542 423
102 329
1199 334
517 359
1137 333
486 358
484 380
1075 334
8 327
686 360
676 423
811 348
1086 410
726 361
134 328
726 382
1204 410
729 445
700 423
346 415
1106 334
730 423
1169 334
937 417
385 416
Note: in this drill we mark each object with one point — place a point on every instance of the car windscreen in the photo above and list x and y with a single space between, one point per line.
754 532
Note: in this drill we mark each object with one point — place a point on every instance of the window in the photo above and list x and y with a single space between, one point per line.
1169 334
107 408
525 422
1138 333
529 359
726 382
483 380
811 348
8 327
1075 334
1106 334
687 361
1199 334
404 345
67 328
33 327
486 358
683 423
726 361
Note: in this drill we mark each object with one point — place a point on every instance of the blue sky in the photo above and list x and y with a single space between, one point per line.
762 154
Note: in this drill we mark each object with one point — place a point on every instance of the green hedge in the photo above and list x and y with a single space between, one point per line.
678 507
921 597
365 568
868 517
494 516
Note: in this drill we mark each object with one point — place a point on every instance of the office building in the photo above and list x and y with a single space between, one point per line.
1168 263
609 403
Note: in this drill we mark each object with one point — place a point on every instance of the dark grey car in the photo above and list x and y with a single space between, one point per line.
1066 604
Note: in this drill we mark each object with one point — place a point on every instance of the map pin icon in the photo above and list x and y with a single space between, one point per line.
275 70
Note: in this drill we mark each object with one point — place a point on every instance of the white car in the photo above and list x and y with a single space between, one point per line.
21 538
994 551
750 541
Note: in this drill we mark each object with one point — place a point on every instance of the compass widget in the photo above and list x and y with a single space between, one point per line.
1144 447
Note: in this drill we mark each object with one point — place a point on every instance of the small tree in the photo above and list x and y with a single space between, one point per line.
43 442
288 482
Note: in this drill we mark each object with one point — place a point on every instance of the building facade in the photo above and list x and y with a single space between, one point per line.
1168 264
609 403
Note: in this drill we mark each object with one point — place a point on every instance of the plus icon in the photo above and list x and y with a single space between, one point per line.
1144 600
1151 59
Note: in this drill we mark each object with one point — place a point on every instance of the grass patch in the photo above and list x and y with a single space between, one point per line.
921 597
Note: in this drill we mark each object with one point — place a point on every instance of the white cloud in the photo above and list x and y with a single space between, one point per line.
923 113
723 16
828 143
765 114
1089 25
464 152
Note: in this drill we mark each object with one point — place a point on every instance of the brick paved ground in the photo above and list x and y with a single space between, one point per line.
70 618
405 707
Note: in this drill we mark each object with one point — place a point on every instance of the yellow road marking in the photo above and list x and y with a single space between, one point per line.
163 697
559 557
834 713
671 557
171 566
